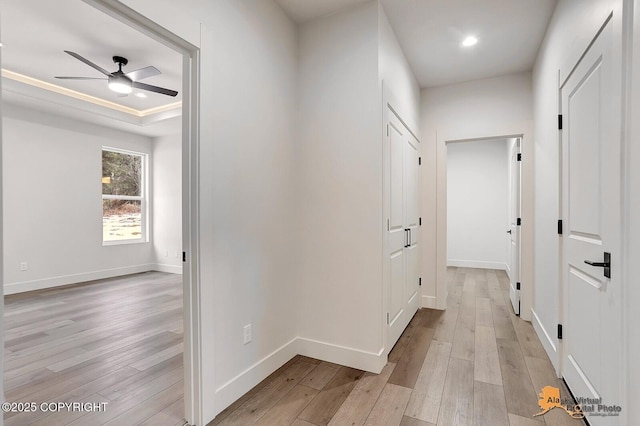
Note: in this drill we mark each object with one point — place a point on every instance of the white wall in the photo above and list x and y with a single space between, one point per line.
339 187
247 204
491 107
53 202
572 27
477 203
398 77
166 199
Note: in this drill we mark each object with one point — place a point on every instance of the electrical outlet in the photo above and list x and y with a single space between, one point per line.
166 253
23 266
247 334
177 254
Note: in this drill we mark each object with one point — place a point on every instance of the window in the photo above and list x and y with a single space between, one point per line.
123 197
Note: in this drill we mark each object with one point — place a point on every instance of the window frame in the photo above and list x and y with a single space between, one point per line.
143 197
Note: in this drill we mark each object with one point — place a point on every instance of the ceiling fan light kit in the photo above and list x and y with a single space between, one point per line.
121 82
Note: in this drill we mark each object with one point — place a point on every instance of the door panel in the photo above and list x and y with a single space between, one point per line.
397 233
411 219
591 214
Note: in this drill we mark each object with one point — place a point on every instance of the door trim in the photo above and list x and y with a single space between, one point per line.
190 194
521 130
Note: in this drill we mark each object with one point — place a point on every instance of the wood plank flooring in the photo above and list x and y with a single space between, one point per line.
474 364
115 341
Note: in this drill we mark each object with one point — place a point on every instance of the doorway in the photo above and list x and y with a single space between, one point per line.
483 199
186 253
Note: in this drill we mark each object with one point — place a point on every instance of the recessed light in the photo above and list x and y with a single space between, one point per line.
139 95
469 41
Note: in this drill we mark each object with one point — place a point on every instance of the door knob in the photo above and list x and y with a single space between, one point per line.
509 231
606 264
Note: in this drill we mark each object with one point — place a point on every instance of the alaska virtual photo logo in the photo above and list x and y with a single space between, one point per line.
550 399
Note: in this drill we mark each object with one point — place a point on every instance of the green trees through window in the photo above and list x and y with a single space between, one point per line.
122 196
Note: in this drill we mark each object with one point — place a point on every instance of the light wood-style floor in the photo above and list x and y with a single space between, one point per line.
117 341
474 364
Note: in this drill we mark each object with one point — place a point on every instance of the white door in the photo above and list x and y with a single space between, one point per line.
515 172
396 229
591 138
411 175
402 222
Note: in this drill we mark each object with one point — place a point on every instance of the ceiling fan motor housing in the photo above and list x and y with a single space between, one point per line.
120 61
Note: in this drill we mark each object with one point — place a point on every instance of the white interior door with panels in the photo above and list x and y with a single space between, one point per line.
401 227
591 138
513 252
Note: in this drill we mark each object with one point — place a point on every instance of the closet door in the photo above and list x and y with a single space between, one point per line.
411 220
401 269
397 235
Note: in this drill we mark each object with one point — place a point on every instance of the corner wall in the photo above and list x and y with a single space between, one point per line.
339 166
53 217
166 199
246 192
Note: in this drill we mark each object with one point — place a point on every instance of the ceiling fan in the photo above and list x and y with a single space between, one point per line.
121 82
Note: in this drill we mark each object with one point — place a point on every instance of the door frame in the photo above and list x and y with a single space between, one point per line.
521 130
516 171
190 196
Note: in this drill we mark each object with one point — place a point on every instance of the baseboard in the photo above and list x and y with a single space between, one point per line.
480 264
229 392
171 269
430 302
355 358
547 342
21 287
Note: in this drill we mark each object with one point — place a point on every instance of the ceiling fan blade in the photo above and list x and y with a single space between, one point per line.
142 73
88 62
156 89
80 78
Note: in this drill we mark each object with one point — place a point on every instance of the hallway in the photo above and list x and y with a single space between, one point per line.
474 364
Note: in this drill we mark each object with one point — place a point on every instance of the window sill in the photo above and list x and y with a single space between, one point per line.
123 242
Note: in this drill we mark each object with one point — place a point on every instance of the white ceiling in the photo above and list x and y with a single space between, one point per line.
430 32
307 10
35 34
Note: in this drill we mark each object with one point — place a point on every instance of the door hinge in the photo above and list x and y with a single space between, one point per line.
519 157
387 130
184 256
387 318
559 226
388 225
420 221
519 221
517 286
420 281
559 121
419 161
559 331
